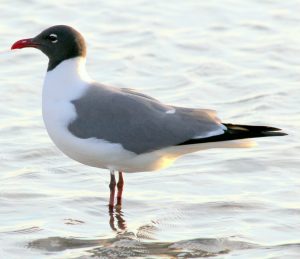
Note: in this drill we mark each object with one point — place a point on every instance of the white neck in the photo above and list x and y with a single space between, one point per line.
66 81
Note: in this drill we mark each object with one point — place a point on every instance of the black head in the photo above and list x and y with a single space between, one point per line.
59 43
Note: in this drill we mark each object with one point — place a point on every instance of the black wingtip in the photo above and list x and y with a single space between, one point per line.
255 131
238 131
274 133
262 129
272 128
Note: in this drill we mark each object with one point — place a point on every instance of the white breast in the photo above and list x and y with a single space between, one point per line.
62 85
67 82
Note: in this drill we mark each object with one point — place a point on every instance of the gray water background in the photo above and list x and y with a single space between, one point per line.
241 58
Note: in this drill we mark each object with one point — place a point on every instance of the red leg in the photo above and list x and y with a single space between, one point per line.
112 186
120 189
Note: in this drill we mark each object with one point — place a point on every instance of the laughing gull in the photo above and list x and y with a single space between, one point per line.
120 129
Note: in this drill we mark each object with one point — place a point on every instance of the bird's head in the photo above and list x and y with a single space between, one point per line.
59 43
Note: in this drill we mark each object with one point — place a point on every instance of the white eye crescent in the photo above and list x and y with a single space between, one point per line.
53 38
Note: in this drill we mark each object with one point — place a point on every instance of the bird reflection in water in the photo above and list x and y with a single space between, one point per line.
116 218
140 243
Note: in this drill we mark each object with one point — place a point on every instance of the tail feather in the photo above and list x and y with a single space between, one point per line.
237 131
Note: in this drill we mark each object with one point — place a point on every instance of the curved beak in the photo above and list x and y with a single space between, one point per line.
25 43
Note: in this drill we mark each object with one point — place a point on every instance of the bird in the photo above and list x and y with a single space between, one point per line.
121 129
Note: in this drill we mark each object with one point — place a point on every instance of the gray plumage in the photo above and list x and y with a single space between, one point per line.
137 121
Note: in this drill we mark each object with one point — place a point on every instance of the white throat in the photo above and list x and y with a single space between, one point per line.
66 81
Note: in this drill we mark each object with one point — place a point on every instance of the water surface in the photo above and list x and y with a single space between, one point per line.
241 58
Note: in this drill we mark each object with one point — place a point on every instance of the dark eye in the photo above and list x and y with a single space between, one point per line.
52 37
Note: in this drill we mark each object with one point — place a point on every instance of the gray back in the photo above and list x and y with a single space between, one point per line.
137 121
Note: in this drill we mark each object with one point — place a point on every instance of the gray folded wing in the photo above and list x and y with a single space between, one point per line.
138 122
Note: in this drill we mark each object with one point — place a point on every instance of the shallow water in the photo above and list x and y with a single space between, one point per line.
241 58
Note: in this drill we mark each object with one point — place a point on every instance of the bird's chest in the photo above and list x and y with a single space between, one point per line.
59 90
57 116
57 108
58 113
91 151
